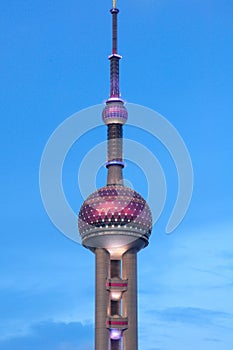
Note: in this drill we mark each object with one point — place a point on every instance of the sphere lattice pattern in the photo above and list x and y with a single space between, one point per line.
115 113
115 206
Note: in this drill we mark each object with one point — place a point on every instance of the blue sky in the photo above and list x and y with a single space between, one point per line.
53 63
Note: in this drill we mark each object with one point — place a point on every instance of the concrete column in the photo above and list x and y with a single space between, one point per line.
101 299
115 175
129 271
115 345
115 134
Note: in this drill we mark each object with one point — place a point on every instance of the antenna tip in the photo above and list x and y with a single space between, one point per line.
114 4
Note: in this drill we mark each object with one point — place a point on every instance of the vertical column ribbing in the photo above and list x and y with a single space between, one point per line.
114 58
114 76
129 270
114 13
115 345
102 299
115 133
115 111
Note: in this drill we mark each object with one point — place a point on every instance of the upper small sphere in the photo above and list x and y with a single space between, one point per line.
115 113
115 215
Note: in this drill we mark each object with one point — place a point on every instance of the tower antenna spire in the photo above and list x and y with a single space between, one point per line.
114 114
114 57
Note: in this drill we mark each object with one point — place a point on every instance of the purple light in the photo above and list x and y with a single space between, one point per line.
115 334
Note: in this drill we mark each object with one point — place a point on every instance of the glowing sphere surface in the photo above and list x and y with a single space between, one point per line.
115 208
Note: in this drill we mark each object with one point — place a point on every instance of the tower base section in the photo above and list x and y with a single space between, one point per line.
129 271
101 299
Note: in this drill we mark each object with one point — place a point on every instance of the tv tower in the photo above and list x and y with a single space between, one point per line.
115 223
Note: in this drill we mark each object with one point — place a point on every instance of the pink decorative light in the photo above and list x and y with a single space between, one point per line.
115 334
115 206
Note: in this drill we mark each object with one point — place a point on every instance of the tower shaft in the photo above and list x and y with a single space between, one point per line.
130 338
115 157
114 58
115 223
119 272
116 112
101 299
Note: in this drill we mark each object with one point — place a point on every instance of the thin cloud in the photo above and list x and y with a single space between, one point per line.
212 340
191 315
50 335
